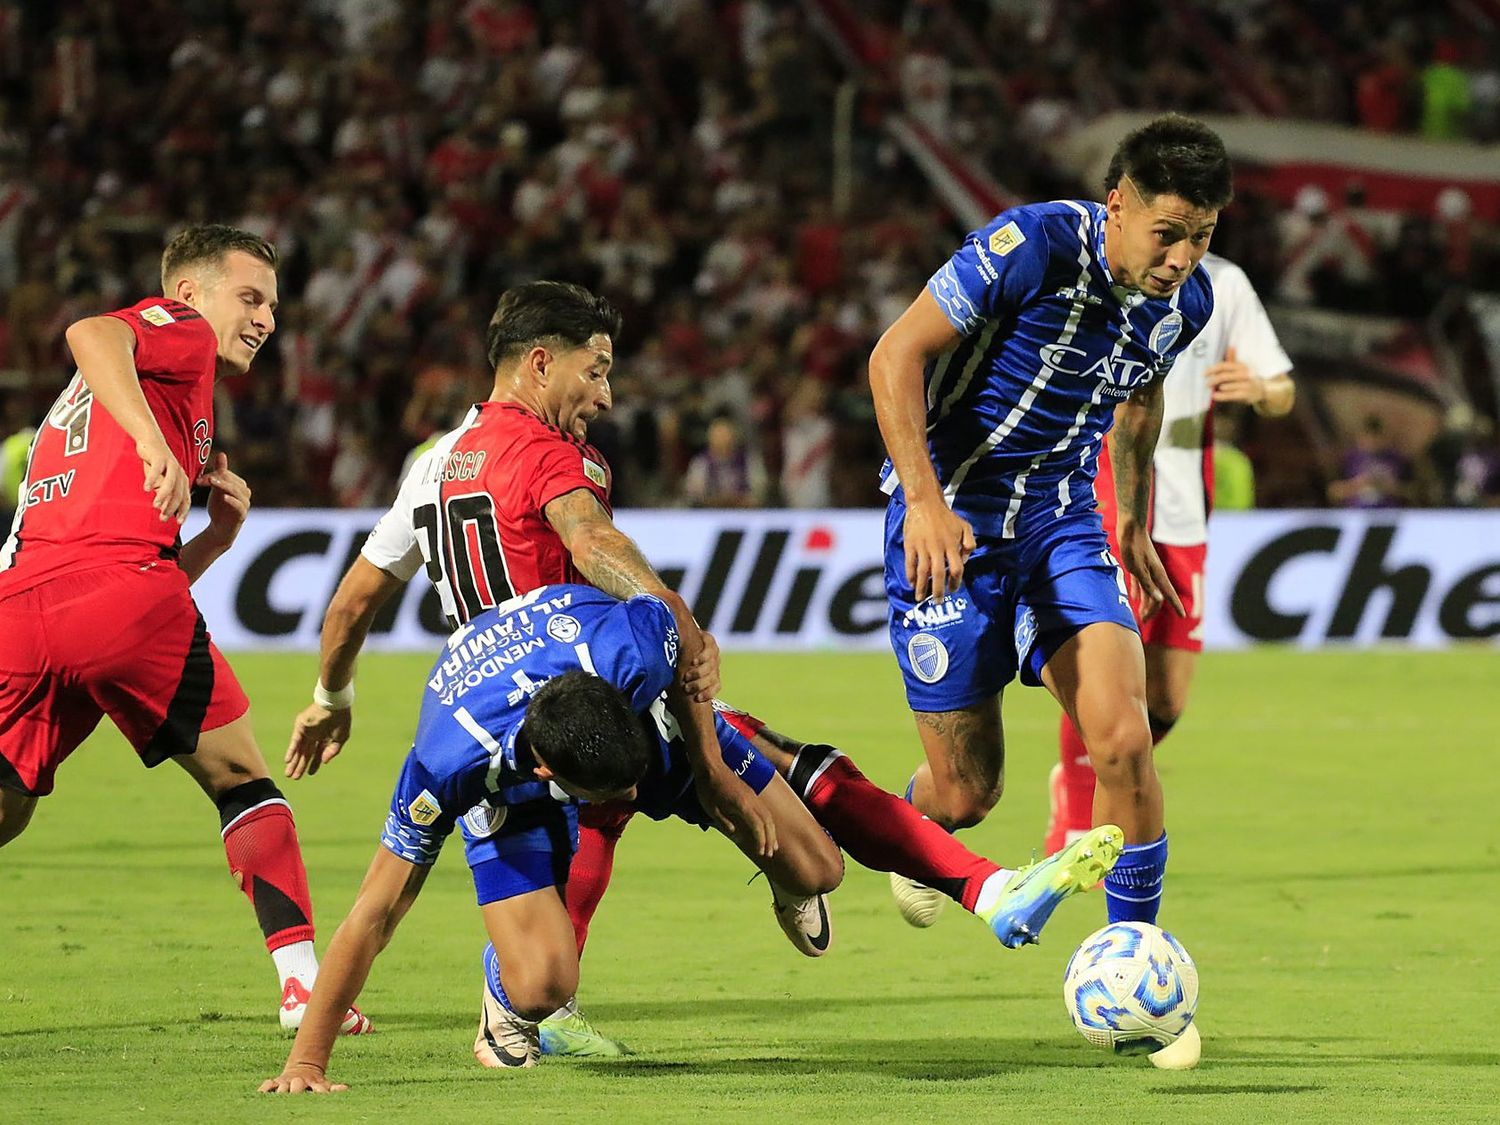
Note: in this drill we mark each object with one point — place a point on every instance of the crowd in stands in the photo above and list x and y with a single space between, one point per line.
411 160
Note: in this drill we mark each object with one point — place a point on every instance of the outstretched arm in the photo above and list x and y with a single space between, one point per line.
390 887
938 542
608 558
322 729
1132 445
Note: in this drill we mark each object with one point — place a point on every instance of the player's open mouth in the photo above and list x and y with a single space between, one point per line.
251 342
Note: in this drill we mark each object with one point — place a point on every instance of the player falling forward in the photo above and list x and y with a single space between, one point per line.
1235 359
567 694
512 500
95 614
993 391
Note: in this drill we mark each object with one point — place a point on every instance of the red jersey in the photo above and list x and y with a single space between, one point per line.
471 509
82 503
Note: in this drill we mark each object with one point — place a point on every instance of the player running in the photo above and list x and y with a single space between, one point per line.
95 614
566 694
1235 359
993 391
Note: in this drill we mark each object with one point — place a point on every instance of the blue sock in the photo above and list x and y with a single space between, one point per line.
1132 890
492 976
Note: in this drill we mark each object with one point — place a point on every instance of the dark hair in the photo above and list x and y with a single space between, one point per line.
210 242
541 312
586 733
1174 155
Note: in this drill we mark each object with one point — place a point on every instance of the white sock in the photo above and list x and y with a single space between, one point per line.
296 960
990 891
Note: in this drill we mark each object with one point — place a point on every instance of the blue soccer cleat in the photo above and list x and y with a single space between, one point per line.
1029 899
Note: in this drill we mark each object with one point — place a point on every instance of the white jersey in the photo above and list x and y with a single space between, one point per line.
1239 321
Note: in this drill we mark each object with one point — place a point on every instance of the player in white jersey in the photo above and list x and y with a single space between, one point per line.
1235 359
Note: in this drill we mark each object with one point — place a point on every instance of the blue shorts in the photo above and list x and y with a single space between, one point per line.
668 790
1020 600
511 849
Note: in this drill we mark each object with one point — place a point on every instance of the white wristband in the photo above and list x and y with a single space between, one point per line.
340 700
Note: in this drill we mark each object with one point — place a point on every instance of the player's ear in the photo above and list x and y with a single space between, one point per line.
185 290
537 360
1114 203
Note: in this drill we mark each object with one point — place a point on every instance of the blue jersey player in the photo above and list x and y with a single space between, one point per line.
554 697
994 391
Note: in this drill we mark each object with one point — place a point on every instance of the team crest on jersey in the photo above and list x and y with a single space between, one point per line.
595 473
484 820
1165 334
425 809
563 628
1006 239
928 657
158 316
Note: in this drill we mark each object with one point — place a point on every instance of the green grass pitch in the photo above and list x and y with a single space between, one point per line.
1335 872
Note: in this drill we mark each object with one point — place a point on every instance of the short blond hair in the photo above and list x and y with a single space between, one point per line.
210 242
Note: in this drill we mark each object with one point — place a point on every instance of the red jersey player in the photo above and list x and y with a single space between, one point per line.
95 614
1235 359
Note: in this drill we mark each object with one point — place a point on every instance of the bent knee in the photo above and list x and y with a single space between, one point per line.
536 993
1121 751
966 806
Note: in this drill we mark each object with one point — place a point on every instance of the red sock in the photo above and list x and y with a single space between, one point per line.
266 861
881 831
599 830
1076 813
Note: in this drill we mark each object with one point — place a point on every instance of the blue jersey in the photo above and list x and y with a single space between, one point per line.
1018 408
476 696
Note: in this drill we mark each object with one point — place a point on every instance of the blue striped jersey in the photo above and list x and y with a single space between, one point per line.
475 700
1049 345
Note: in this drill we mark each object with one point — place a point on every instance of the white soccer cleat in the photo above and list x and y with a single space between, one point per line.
294 997
1182 1053
505 1041
804 921
920 905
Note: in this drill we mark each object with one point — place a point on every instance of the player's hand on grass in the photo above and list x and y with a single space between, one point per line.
700 677
1147 574
318 734
735 808
228 500
938 543
301 1078
166 478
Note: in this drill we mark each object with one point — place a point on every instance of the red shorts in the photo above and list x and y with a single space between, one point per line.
123 640
1184 567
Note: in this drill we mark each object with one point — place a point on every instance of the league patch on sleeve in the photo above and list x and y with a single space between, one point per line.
1006 239
158 316
595 472
424 810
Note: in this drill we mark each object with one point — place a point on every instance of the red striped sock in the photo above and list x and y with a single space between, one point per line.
266 861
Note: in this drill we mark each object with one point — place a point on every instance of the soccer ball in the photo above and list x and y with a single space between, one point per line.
1131 988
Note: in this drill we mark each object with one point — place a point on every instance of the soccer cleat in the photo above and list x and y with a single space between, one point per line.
804 921
505 1041
920 905
571 1034
294 998
1029 899
1181 1054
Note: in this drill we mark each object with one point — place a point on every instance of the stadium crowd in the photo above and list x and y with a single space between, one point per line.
411 160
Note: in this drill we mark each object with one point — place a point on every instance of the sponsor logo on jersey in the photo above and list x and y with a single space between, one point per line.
563 627
595 472
1121 373
48 489
424 810
158 316
1073 293
1166 332
928 657
1025 633
1006 239
987 268
935 615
